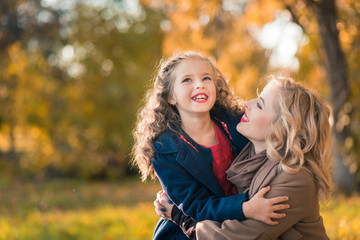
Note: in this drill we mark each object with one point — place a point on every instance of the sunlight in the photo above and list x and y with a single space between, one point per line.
283 38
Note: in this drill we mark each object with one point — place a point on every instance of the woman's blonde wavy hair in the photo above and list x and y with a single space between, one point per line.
157 114
300 134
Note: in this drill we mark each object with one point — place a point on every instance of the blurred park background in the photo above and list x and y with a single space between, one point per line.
73 73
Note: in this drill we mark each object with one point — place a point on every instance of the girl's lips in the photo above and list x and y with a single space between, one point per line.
200 97
244 118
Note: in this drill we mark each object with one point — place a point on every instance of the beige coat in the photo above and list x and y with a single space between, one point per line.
302 220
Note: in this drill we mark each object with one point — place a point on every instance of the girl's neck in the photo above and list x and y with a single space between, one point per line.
200 129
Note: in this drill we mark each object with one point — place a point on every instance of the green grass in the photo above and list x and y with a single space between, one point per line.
79 210
61 210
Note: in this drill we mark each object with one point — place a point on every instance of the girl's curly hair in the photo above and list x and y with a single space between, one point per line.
157 114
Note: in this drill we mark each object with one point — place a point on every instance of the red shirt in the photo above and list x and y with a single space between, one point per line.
222 158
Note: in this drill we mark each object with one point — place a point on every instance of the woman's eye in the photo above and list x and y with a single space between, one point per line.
258 105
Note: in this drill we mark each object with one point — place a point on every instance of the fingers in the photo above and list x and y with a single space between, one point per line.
278 215
159 209
159 193
163 205
274 215
263 191
165 196
276 200
271 222
280 207
165 200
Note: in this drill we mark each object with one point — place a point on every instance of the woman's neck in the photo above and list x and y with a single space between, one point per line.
259 146
200 129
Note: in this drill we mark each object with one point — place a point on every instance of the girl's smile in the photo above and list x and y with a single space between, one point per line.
200 97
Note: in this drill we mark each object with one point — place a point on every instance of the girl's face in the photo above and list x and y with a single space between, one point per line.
194 91
257 118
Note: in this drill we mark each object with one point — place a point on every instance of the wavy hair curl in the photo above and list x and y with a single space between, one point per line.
157 114
300 134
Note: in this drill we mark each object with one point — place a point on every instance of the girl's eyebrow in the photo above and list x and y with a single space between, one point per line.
186 76
206 74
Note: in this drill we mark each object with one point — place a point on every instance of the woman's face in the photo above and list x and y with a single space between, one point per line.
257 118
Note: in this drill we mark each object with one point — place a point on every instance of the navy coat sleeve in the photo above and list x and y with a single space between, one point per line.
193 196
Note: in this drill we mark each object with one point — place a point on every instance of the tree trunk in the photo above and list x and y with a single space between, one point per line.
336 71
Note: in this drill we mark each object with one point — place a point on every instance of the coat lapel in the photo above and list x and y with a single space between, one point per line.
199 169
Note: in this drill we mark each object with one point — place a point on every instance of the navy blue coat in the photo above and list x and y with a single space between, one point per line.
187 177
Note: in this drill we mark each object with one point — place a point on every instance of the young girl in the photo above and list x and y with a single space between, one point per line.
288 126
186 133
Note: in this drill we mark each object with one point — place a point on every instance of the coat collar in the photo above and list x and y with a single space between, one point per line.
189 157
198 167
250 172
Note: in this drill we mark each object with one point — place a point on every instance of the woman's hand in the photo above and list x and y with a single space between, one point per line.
163 205
263 209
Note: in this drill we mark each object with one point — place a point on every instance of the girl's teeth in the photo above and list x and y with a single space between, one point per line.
200 97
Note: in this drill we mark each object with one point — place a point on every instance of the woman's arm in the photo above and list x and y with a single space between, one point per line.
303 202
263 208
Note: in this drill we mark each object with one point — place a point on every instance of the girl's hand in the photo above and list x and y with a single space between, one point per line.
263 209
163 205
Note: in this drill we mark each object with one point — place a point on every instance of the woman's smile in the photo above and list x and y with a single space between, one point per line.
244 118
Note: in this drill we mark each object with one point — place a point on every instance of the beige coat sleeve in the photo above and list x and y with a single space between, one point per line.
303 215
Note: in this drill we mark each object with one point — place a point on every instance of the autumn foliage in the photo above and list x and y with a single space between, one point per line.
72 75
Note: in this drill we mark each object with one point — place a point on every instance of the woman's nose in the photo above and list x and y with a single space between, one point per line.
250 103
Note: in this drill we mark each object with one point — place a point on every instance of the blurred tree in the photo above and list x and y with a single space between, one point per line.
72 72
28 33
336 70
71 79
113 50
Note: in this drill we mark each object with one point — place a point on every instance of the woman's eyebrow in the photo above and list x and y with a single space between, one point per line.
262 100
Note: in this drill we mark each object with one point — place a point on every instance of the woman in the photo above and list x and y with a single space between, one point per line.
289 150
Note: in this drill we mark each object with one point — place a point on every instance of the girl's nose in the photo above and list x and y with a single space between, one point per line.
199 84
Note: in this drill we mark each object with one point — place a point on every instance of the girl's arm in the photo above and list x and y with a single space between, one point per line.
191 196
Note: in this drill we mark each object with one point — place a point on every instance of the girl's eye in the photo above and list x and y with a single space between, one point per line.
186 80
258 105
207 78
